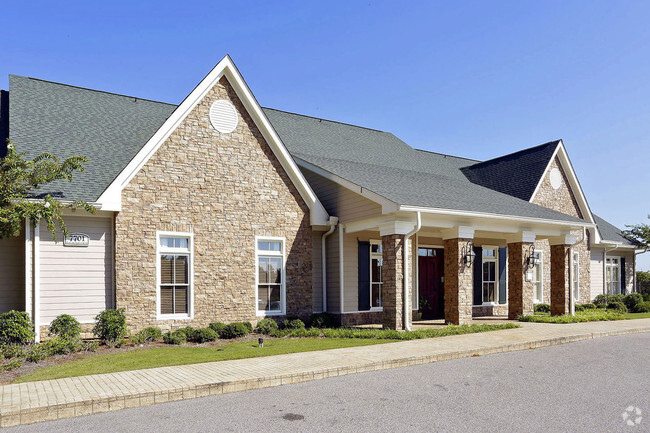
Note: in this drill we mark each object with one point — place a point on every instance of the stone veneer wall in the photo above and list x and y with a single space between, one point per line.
225 189
393 276
520 293
560 287
360 318
458 283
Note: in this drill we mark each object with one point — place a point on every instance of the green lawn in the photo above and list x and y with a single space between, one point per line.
636 315
581 316
176 355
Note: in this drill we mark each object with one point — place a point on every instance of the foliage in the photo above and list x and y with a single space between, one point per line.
542 308
603 300
235 330
146 335
189 332
248 325
203 335
639 235
110 327
16 328
643 276
11 365
20 180
66 326
583 307
175 337
35 353
642 307
61 346
13 351
322 320
617 306
89 346
293 324
218 327
266 326
631 300
583 316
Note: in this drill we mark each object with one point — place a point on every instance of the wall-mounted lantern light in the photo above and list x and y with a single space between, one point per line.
468 254
531 260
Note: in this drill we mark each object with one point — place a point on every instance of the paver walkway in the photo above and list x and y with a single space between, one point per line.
62 398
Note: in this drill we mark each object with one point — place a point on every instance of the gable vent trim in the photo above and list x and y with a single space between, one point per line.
223 116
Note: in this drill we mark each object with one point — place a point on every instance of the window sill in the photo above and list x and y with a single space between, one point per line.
270 313
174 317
375 309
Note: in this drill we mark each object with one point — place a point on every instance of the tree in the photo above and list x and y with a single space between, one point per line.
20 180
643 277
639 235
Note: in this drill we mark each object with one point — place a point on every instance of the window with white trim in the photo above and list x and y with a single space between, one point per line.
376 276
613 275
538 277
269 253
490 266
174 266
575 275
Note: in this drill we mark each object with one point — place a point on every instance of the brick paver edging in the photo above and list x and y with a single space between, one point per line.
32 402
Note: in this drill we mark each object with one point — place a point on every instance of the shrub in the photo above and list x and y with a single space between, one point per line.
235 330
542 308
13 351
110 327
618 307
248 325
218 327
632 300
322 320
90 346
65 326
175 337
642 307
293 324
603 300
35 353
60 346
588 306
646 297
189 332
146 335
266 326
11 365
16 328
203 335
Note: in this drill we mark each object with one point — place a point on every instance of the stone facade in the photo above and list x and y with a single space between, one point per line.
225 189
393 279
458 283
560 279
360 318
520 291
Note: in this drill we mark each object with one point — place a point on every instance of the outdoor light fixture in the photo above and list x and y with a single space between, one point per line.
260 342
531 260
468 254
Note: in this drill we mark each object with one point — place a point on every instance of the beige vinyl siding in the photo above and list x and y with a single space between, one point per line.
333 279
351 267
340 201
12 273
76 280
317 271
597 286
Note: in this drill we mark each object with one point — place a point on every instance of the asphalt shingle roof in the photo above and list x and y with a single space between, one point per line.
609 232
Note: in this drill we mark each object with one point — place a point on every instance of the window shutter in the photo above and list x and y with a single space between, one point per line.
364 276
478 276
623 285
502 276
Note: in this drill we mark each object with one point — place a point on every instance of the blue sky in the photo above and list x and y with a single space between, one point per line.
475 79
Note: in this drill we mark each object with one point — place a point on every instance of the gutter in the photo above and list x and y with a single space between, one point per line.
405 280
333 221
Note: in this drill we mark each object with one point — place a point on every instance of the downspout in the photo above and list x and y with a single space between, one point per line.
333 221
406 297
37 282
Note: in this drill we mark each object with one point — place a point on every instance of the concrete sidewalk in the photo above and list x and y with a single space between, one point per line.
63 398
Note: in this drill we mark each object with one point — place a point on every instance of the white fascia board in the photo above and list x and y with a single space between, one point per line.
111 198
387 206
574 183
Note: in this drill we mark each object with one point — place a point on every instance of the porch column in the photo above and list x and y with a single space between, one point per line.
560 274
393 275
458 278
520 289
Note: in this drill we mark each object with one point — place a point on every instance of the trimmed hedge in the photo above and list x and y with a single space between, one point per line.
218 327
236 330
16 328
175 337
642 307
632 300
203 335
293 323
542 308
65 326
618 307
266 326
110 327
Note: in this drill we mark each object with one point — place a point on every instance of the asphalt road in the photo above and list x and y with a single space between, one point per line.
578 387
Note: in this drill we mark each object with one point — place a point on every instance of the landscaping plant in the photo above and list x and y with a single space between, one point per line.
266 326
110 327
16 328
65 326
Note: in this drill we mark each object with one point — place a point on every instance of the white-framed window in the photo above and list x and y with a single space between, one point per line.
376 275
270 276
538 277
613 275
575 275
490 264
175 275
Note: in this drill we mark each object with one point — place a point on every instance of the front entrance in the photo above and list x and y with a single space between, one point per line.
431 282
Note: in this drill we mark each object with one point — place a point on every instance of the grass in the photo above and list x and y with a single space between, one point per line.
180 355
636 315
581 316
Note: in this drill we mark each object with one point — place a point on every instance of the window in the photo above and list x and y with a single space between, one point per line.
376 277
538 277
490 258
575 275
269 254
174 274
427 252
613 275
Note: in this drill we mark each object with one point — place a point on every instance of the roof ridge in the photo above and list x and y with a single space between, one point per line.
94 90
446 155
326 120
515 153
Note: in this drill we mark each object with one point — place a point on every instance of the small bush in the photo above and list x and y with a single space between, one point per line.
322 320
90 346
16 328
266 326
110 327
603 300
293 324
248 325
13 351
218 327
632 300
189 332
588 306
646 297
146 335
618 307
65 326
542 308
35 353
60 346
203 335
235 330
175 337
11 365
642 307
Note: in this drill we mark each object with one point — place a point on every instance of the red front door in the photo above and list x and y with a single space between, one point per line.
431 263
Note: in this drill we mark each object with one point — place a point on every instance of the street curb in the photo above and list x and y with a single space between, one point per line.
131 400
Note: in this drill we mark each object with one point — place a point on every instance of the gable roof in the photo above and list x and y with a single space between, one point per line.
516 174
611 233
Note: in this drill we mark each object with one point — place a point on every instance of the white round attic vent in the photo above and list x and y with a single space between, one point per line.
223 116
556 178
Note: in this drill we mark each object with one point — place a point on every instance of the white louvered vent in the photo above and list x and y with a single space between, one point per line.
223 116
556 178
